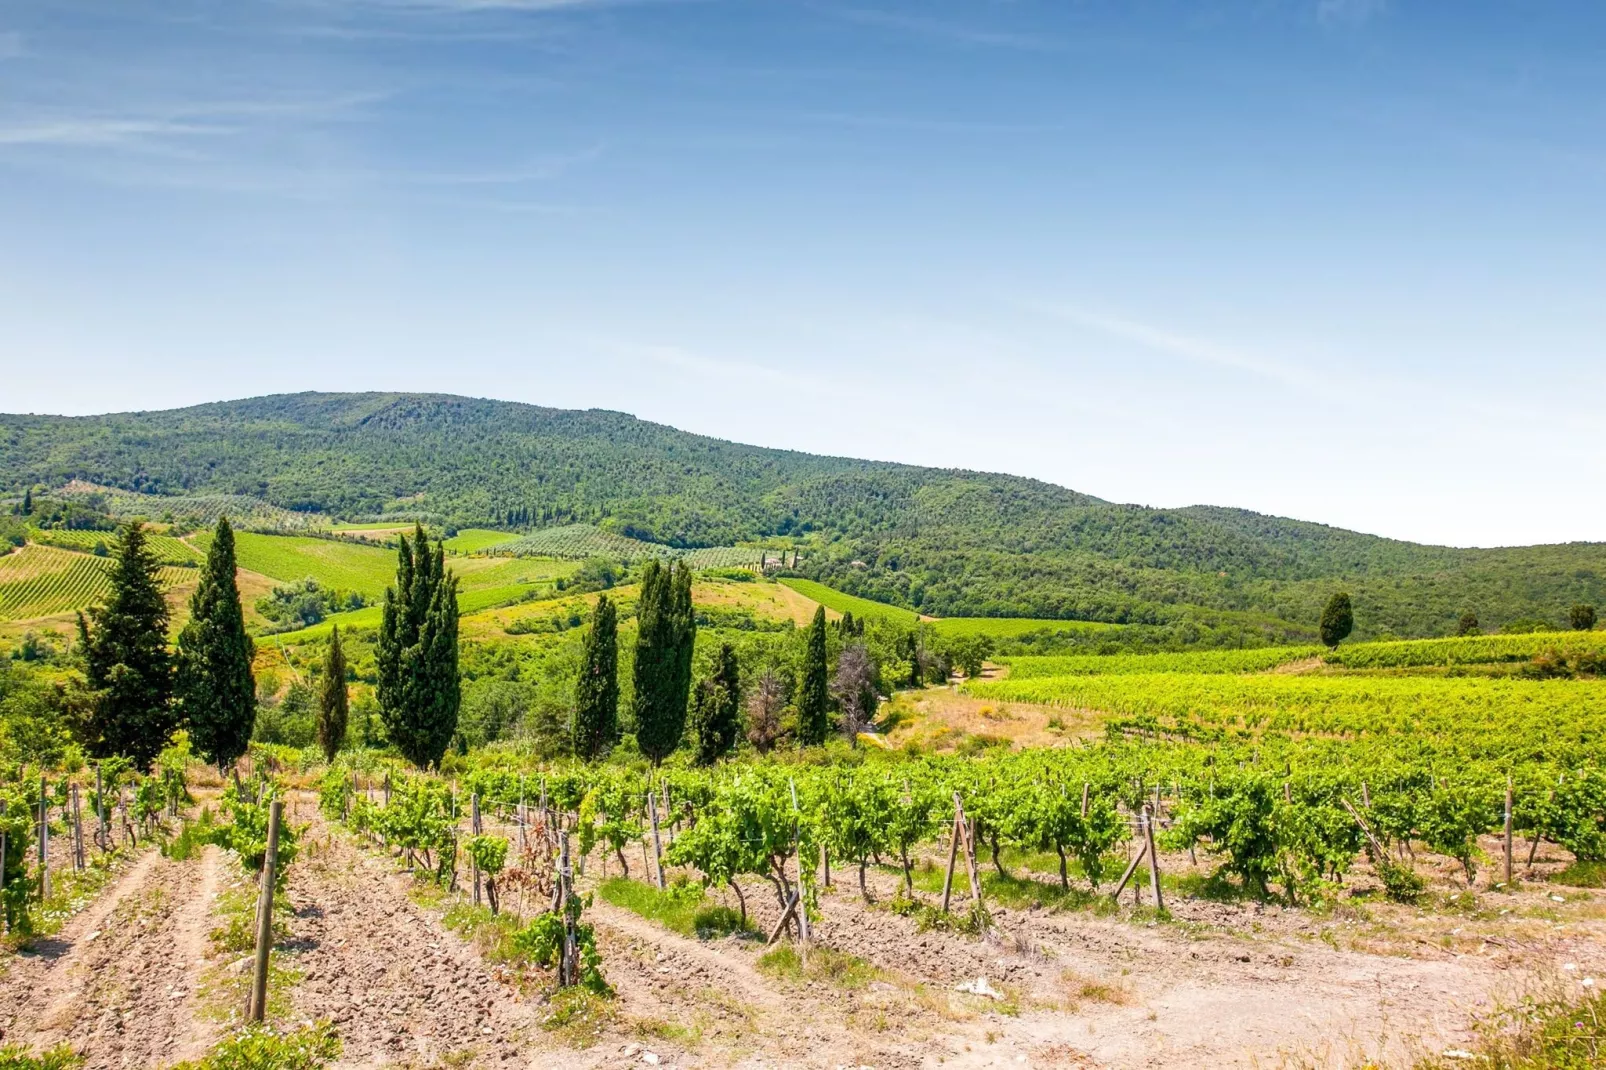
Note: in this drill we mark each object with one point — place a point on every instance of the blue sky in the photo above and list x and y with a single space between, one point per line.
1343 260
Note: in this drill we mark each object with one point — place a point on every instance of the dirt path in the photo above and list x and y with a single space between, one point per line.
119 983
398 987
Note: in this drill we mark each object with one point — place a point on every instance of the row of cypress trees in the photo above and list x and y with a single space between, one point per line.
139 691
666 633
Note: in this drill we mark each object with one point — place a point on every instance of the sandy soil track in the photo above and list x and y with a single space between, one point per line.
119 983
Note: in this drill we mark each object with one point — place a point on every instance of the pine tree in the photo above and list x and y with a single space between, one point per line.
595 725
1338 620
127 665
333 703
717 709
420 692
214 687
813 707
665 632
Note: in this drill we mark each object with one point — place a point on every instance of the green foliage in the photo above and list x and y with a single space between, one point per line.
488 852
1338 620
214 688
594 726
303 604
813 708
1204 661
126 661
1581 617
333 701
246 833
1401 883
17 1057
1468 625
683 908
266 1047
665 632
717 709
419 689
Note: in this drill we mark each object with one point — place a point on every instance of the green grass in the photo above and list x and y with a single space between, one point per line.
474 540
347 566
825 964
1468 650
684 908
1012 627
1202 662
1551 1030
831 598
1582 875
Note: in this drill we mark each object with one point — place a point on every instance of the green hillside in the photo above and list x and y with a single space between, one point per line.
946 543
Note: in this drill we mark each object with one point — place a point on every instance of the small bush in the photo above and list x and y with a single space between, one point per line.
1400 883
265 1048
16 1057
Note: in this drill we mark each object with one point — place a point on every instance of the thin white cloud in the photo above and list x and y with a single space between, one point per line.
101 132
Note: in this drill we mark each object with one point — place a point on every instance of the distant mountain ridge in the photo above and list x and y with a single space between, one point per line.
950 542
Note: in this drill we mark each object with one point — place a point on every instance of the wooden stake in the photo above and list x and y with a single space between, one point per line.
1508 832
1154 860
1366 796
44 841
474 829
1359 820
1131 868
270 864
77 831
953 854
102 833
786 916
1084 798
657 845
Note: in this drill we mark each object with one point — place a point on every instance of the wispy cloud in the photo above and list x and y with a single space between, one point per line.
941 29
1349 12
159 125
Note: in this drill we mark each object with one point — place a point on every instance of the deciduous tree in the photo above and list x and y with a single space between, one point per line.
1582 618
1338 620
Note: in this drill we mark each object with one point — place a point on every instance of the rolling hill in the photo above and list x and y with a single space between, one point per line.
944 542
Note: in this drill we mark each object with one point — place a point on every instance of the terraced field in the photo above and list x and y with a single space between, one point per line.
168 550
241 510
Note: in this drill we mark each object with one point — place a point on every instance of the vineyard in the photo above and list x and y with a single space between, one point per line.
37 581
578 541
346 566
242 511
167 549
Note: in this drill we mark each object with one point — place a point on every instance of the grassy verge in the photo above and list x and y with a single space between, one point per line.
1547 1032
824 964
684 908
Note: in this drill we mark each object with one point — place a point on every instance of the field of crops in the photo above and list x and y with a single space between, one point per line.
1014 627
580 541
168 550
37 581
345 566
1203 661
242 511
1470 650
831 598
478 540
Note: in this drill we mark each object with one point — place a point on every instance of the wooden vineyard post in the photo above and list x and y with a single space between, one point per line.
953 852
2 861
387 788
1154 859
1084 799
102 837
797 849
1366 796
1376 846
657 846
44 840
568 966
78 832
1508 833
1131 868
258 1006
474 830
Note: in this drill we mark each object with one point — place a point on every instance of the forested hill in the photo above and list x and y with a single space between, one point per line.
946 541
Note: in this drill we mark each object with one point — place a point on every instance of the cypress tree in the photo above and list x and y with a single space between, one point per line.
214 686
27 502
1338 620
333 705
419 689
813 707
665 632
595 725
127 665
716 712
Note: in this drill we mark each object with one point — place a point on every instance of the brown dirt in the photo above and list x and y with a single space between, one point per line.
119 982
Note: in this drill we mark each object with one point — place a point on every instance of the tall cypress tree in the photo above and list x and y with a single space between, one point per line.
27 502
665 632
126 661
333 704
214 687
420 691
716 709
595 726
813 707
1338 620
